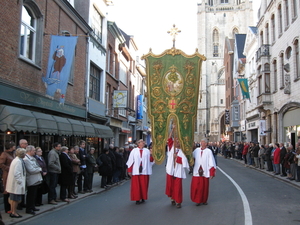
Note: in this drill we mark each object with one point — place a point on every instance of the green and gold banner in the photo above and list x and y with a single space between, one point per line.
173 81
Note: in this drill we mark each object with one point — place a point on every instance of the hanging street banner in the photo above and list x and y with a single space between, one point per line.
60 63
173 81
244 87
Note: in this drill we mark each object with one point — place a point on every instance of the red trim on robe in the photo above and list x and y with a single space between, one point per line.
179 160
174 188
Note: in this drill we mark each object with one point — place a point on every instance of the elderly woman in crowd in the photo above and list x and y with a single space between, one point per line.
91 166
33 179
16 179
75 163
5 160
42 163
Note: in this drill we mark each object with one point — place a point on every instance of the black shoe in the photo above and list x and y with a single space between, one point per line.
137 202
15 216
30 212
35 209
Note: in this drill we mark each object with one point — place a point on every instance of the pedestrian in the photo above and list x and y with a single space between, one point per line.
66 177
255 151
91 167
75 163
104 167
54 169
16 180
5 160
276 159
33 179
261 157
297 161
175 168
245 152
140 164
268 154
113 163
204 169
82 181
282 155
118 166
43 187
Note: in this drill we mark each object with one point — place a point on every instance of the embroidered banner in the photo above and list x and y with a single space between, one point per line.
173 80
60 65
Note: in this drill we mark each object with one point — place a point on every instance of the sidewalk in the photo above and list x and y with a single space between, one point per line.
47 207
270 173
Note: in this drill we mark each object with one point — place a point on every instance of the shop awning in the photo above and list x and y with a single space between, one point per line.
63 125
103 131
77 127
89 129
45 123
16 119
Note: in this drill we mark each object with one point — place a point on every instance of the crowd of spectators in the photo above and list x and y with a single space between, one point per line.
27 176
273 157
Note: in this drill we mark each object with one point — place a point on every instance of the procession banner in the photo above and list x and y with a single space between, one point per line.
173 81
60 63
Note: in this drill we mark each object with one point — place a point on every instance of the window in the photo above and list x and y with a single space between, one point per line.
275 75
97 21
273 27
221 101
267 83
281 71
287 15
123 73
288 53
210 2
260 85
234 32
215 43
267 34
224 1
95 79
31 33
280 19
261 38
294 7
296 57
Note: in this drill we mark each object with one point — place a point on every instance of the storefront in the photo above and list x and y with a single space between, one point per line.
252 131
41 129
291 124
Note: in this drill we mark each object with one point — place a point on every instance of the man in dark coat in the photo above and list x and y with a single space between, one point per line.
105 169
66 176
283 152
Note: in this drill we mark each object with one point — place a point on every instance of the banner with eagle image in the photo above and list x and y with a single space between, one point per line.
60 62
173 81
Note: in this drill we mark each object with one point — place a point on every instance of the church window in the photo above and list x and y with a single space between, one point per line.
215 43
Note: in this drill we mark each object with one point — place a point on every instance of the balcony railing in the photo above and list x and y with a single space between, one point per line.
264 50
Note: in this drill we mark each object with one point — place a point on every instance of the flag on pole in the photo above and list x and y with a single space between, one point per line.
244 88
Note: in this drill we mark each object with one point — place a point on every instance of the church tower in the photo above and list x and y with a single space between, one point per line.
216 20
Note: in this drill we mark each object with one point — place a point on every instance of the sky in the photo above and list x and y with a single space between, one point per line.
148 21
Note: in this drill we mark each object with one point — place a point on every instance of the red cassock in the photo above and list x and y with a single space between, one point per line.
140 182
175 172
200 188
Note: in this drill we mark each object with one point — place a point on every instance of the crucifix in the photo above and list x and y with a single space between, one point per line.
173 32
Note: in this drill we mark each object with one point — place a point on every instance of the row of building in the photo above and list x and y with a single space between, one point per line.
265 56
67 73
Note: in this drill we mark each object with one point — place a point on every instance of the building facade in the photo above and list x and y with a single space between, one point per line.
216 21
41 100
278 69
